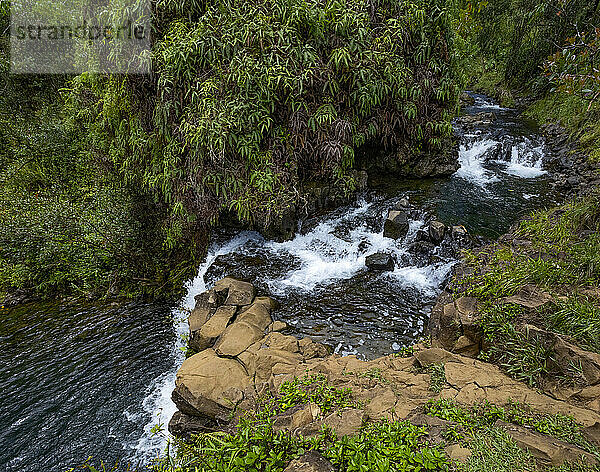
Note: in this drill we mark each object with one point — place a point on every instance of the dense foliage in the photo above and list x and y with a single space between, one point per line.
253 98
111 183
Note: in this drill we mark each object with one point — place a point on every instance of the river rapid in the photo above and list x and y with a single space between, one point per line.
79 381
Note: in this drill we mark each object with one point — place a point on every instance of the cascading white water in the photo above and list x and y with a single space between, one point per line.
471 157
157 405
321 277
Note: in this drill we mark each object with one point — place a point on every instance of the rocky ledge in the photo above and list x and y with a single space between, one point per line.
243 354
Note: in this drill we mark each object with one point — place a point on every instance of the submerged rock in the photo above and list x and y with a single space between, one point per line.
396 224
380 261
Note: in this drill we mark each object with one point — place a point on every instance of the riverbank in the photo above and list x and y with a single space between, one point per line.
508 379
272 393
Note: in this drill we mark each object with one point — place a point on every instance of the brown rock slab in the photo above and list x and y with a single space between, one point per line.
547 450
529 296
237 338
239 293
346 423
257 314
209 385
278 326
198 317
570 354
311 461
312 350
213 328
457 453
435 355
465 346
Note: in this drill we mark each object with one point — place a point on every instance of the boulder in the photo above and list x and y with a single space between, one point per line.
209 385
311 461
239 293
547 450
380 261
437 231
396 224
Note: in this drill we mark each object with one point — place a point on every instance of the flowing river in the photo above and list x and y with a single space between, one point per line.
79 381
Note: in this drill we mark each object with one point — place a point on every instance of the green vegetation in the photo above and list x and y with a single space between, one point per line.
256 445
109 184
437 380
564 260
540 49
475 418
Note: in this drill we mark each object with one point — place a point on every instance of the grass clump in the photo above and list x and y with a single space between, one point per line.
561 256
473 419
437 378
576 316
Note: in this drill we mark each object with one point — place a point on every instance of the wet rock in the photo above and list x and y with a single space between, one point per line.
19 296
363 247
380 261
402 204
311 461
437 231
422 235
183 426
547 450
396 224
421 248
466 99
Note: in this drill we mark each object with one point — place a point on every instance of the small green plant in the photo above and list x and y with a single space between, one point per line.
437 379
314 389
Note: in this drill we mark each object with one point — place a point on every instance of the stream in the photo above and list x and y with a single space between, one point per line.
87 380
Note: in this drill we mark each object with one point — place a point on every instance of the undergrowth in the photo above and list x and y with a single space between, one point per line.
561 256
257 446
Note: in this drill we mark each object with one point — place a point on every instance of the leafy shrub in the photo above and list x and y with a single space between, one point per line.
253 98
